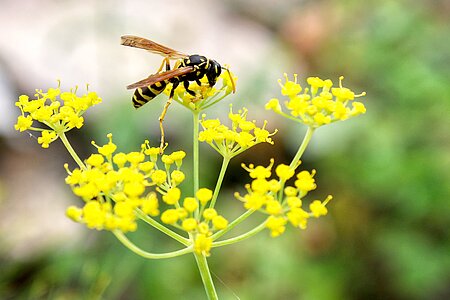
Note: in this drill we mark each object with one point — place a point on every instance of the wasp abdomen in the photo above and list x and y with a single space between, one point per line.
145 94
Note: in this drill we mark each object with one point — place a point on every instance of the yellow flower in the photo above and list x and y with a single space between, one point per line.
293 201
305 181
108 149
46 138
242 135
134 188
219 222
290 191
150 205
23 123
177 177
259 172
93 215
273 207
254 201
318 209
190 204
204 195
158 177
284 172
298 217
120 159
202 244
95 160
146 166
172 196
276 225
170 216
167 160
74 213
203 228
209 213
290 88
135 157
189 224
273 104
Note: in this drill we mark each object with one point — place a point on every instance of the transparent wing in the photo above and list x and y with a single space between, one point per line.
142 43
160 77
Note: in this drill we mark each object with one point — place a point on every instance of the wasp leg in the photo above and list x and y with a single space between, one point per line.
163 114
186 87
165 62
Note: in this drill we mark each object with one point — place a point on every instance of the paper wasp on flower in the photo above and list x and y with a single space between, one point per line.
187 68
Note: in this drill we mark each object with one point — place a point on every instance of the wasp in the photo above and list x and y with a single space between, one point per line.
187 68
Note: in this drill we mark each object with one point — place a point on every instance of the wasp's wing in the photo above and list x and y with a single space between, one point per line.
160 77
142 43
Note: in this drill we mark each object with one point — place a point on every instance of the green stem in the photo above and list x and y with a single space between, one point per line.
241 237
302 148
195 150
127 243
72 152
162 228
208 283
223 169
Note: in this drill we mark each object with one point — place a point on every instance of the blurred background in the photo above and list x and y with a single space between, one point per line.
387 232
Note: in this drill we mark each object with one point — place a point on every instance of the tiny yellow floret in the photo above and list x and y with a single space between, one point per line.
190 204
209 213
204 195
219 222
172 196
284 172
189 224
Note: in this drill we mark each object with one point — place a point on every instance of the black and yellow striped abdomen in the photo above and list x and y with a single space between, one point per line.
145 94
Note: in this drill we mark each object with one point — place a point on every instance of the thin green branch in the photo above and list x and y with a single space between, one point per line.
195 150
294 164
162 228
223 169
71 151
241 237
233 224
130 245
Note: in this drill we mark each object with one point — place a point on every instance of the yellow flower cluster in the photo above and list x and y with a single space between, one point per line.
184 215
285 206
318 105
205 95
59 111
242 135
115 185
